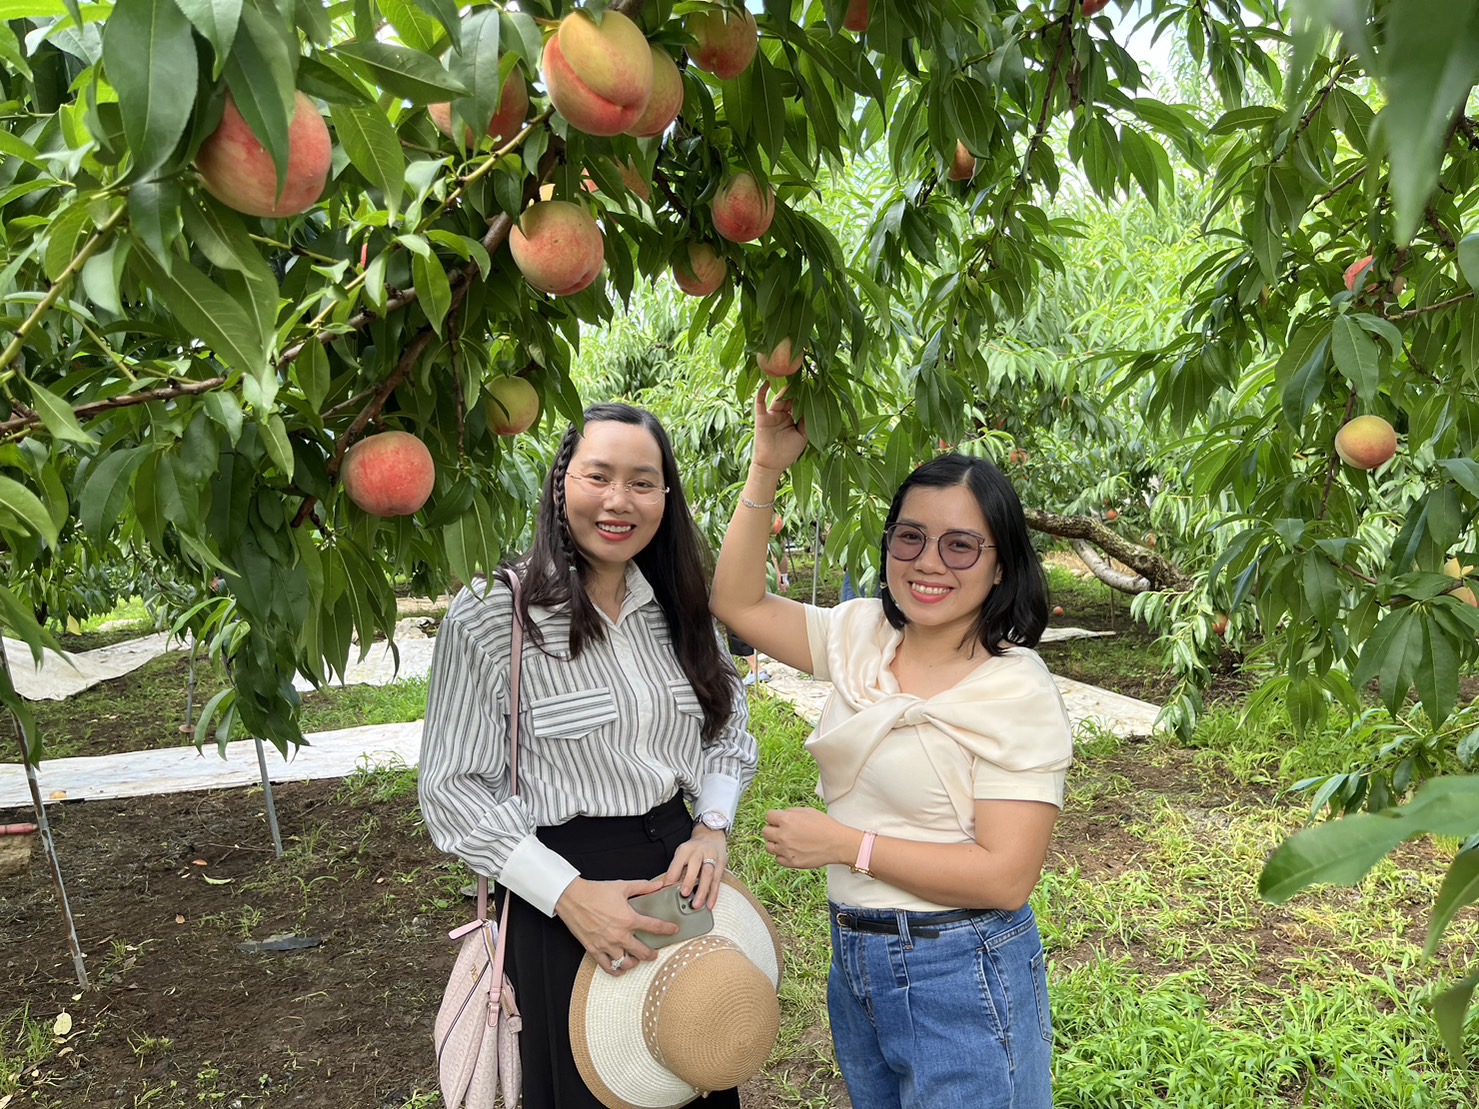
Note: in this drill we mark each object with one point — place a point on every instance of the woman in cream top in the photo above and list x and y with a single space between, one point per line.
941 755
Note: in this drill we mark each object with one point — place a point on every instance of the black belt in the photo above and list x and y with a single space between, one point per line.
889 926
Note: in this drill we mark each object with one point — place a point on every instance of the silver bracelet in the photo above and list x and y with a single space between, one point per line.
744 500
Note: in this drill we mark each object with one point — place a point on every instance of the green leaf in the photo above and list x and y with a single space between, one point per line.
154 214
373 149
275 435
767 104
433 291
216 20
26 507
106 491
1436 676
1468 259
1460 888
20 619
475 64
406 73
413 27
1429 62
1450 1008
1465 471
149 56
1301 370
1339 851
445 13
12 147
57 416
204 310
260 75
61 238
970 113
1356 357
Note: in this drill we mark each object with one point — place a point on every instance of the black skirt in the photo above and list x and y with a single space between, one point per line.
543 956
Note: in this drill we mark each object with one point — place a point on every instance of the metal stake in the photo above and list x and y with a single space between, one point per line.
190 685
44 826
267 793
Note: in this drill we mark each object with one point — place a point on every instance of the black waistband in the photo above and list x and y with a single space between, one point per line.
616 831
889 926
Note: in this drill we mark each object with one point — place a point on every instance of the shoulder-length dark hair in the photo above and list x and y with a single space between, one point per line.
675 563
1016 609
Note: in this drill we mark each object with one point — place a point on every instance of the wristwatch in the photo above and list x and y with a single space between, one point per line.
715 820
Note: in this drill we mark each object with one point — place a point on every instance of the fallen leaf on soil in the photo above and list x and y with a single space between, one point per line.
63 1023
217 881
199 862
179 918
56 795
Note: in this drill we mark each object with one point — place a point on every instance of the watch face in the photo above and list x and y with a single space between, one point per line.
715 820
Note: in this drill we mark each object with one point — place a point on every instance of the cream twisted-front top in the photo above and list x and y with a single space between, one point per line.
914 767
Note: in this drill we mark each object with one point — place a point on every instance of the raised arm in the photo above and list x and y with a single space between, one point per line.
772 624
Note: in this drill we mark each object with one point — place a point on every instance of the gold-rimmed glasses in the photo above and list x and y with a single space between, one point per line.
598 485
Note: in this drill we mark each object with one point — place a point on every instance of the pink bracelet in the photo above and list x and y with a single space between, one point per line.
865 855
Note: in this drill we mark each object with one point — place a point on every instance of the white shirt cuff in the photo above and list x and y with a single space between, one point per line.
719 793
537 874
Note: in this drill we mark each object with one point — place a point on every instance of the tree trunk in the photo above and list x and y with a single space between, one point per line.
1151 571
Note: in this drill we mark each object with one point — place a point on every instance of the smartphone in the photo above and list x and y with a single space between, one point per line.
670 905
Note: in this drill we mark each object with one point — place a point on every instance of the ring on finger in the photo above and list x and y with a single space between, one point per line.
710 862
618 962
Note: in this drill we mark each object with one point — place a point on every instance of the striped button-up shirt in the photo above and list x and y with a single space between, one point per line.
614 732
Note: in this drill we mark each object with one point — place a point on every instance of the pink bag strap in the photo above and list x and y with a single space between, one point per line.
515 668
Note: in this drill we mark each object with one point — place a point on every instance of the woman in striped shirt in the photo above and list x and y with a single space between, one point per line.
631 713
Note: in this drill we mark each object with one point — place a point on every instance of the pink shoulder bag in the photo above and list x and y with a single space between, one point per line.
478 1024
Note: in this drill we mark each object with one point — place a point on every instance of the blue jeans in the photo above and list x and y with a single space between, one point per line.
958 1021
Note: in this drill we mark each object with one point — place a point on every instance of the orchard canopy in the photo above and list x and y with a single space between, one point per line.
241 236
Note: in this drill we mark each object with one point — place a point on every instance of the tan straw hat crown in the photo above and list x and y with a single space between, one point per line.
701 1017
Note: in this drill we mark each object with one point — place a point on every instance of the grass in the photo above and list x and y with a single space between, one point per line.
1172 982
146 709
24 1043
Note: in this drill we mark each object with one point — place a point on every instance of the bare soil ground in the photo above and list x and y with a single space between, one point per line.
166 889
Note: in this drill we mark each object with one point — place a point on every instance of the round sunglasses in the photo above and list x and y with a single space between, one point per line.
959 550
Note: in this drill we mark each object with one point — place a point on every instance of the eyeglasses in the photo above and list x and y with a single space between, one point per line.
959 550
598 485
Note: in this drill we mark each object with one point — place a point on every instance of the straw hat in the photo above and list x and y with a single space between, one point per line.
702 1016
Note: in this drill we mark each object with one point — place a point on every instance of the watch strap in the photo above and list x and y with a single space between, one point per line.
865 855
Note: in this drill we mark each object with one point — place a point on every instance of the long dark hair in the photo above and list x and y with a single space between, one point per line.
674 563
1016 609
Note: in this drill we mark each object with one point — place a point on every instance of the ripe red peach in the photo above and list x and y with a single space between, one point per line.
727 40
238 171
513 106
742 210
389 474
598 76
780 362
1366 442
699 269
557 247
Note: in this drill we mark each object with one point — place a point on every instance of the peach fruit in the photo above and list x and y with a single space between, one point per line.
599 76
513 106
780 362
1094 7
557 247
699 269
666 100
237 170
1366 442
389 474
963 168
727 39
512 405
856 18
742 210
1355 269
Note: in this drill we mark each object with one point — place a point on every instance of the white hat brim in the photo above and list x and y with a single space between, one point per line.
606 1010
